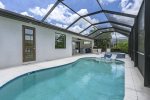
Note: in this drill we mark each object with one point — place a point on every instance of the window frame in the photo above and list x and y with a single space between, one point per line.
64 47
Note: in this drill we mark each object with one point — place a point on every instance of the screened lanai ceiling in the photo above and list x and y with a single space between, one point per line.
86 17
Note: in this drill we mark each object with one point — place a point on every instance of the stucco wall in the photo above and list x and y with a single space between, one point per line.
11 43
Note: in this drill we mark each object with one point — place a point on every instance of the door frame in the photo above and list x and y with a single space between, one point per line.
23 42
79 46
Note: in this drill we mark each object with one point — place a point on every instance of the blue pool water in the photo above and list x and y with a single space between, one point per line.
85 79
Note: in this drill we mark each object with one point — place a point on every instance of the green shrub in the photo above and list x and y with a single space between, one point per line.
121 47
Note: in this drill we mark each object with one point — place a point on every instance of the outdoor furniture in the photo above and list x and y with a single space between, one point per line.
120 55
99 51
94 51
107 55
108 50
87 50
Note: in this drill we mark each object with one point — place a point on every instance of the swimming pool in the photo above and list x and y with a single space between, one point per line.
85 79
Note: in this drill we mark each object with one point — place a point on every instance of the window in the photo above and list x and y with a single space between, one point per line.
87 42
60 40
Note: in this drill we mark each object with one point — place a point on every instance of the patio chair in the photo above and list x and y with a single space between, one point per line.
108 50
107 56
99 51
113 57
120 55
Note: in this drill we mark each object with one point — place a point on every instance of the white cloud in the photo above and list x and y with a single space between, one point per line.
62 17
2 5
76 28
82 12
128 7
92 20
79 26
106 1
26 14
60 14
131 7
61 25
124 20
110 1
40 11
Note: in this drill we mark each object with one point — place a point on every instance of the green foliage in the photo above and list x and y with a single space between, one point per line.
60 40
103 42
121 47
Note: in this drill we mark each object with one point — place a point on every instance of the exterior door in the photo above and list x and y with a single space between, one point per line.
78 46
29 53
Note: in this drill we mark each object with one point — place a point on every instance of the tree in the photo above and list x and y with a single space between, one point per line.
103 41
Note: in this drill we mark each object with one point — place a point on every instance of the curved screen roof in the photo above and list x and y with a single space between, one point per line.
85 17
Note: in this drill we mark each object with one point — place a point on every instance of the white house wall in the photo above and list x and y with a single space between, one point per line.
11 43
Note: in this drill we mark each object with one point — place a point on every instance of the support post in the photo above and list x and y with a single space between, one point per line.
147 44
136 43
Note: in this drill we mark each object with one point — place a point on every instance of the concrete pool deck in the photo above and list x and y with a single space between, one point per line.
134 82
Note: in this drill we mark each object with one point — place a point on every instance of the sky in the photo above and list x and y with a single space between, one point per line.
63 16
